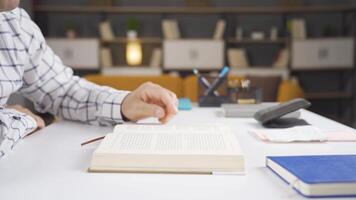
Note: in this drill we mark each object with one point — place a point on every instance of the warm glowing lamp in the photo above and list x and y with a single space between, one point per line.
133 50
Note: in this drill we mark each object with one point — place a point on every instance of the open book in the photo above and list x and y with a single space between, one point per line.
169 148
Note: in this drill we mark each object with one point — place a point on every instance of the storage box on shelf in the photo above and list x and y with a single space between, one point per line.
80 53
187 54
326 53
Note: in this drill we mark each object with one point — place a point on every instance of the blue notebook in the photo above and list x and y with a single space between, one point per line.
184 104
317 176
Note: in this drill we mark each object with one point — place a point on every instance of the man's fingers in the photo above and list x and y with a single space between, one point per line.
174 97
150 100
149 110
167 98
169 101
169 105
40 122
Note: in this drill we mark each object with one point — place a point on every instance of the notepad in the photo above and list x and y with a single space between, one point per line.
317 176
169 148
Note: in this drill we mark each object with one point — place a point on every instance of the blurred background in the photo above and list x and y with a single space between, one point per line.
286 48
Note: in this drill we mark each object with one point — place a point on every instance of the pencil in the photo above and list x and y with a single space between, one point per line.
93 140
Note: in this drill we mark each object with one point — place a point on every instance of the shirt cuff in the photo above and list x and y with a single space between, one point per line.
111 108
14 126
26 121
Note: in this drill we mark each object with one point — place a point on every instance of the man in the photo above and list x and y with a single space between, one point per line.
29 66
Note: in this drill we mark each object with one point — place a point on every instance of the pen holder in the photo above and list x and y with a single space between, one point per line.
250 95
216 98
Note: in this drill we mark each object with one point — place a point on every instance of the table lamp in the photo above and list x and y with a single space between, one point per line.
133 49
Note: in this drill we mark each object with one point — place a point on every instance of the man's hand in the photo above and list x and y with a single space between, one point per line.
150 100
39 121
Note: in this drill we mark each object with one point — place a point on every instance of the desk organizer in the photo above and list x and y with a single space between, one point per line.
215 99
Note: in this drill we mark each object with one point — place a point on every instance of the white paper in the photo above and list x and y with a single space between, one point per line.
298 133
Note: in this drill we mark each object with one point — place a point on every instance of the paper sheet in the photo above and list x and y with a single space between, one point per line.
303 134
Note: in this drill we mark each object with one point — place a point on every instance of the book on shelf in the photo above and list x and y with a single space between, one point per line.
170 29
239 33
237 58
317 175
105 30
219 30
282 59
298 28
106 57
156 58
169 149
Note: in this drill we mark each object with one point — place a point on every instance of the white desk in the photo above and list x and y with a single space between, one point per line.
51 164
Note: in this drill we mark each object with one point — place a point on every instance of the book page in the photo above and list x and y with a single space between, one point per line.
170 139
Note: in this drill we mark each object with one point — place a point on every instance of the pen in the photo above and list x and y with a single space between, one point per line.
223 73
204 81
93 140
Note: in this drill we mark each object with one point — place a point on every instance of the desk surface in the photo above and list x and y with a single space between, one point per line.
51 164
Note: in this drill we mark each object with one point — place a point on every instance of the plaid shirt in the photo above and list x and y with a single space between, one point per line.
29 66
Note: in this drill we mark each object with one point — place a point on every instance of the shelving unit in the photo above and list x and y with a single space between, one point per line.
262 41
123 40
260 71
156 40
195 10
345 69
206 10
339 96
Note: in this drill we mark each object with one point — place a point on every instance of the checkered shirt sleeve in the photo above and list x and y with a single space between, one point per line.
28 65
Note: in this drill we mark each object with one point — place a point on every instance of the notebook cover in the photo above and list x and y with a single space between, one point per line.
320 169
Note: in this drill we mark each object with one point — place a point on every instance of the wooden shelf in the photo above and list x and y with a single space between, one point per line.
260 71
328 95
302 70
229 40
263 41
131 70
195 10
119 40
